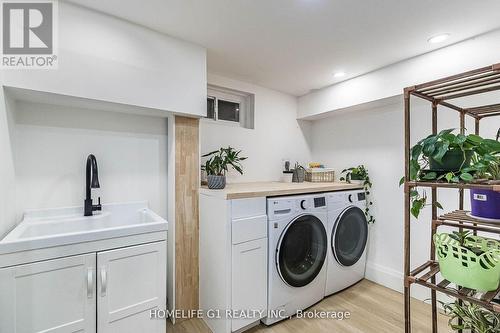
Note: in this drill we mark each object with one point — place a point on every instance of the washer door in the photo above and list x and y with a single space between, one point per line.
302 250
349 236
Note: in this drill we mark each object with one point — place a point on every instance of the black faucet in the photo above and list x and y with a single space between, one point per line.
91 169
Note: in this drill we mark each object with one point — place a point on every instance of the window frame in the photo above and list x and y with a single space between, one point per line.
245 101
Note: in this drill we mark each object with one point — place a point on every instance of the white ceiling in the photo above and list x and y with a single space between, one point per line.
296 45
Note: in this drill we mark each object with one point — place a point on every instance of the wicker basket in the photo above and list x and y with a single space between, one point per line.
320 175
463 267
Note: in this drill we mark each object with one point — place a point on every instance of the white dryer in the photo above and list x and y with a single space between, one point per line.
298 246
347 239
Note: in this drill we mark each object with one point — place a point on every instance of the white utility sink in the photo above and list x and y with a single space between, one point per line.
62 226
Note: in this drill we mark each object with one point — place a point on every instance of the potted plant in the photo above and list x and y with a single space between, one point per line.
468 261
470 316
445 157
486 168
356 175
218 163
359 175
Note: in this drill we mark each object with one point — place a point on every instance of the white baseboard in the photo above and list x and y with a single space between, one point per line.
385 276
393 279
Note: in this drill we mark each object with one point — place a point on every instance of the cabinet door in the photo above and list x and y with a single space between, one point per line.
131 283
53 296
249 279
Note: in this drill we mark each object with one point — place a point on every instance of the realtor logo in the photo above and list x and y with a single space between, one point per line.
29 34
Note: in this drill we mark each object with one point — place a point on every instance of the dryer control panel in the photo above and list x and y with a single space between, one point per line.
281 207
339 200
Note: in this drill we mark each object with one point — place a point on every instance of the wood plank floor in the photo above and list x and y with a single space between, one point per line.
373 308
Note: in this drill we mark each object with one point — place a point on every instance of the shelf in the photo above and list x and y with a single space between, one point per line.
479 81
462 218
494 187
423 276
444 92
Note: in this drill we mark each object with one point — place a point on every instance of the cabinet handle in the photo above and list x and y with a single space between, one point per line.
104 281
90 282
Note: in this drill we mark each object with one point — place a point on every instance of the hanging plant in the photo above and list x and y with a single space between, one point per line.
473 317
419 201
360 174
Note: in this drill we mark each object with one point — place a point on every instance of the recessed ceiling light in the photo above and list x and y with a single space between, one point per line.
339 74
438 38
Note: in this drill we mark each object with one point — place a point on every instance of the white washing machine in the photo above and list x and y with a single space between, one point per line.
298 246
347 239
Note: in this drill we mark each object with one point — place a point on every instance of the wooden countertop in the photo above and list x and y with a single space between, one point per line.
269 189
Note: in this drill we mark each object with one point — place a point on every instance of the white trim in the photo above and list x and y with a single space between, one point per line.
221 122
385 276
171 213
393 279
245 101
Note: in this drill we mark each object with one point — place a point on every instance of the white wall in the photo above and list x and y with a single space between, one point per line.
105 58
360 121
53 142
389 81
277 134
101 58
7 180
375 138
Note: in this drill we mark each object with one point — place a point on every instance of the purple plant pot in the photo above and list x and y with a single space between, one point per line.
485 203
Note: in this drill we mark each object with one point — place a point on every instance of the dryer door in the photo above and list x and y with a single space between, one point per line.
302 250
349 236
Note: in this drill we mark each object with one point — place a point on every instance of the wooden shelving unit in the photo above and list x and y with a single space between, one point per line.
423 274
439 93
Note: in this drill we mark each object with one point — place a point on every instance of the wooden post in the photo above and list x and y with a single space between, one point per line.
433 229
407 296
461 191
186 213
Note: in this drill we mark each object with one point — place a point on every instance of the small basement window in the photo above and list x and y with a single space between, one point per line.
231 107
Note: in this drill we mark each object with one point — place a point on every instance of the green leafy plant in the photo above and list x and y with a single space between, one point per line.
473 317
220 160
355 173
461 236
479 159
434 148
486 162
419 201
465 239
482 152
486 166
361 173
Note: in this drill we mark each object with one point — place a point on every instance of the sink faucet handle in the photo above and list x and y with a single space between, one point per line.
98 206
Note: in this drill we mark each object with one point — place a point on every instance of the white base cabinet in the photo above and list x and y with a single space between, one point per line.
52 296
132 281
248 280
233 262
104 292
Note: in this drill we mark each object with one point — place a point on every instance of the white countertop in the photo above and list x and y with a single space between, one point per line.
62 226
